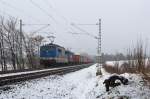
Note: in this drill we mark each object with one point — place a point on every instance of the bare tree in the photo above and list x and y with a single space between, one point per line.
9 37
2 53
13 43
32 48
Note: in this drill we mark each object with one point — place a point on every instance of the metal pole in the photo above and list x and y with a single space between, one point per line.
99 49
100 41
21 55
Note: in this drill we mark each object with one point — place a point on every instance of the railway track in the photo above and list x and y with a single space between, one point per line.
23 76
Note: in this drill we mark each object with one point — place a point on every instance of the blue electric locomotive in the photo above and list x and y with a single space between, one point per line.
53 55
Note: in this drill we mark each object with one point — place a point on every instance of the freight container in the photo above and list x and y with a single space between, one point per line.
76 59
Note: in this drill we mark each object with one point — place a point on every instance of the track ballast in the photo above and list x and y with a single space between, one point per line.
23 76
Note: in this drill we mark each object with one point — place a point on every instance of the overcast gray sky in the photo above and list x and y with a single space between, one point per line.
123 21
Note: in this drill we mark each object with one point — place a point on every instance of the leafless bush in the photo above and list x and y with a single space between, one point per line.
140 56
136 61
147 68
112 69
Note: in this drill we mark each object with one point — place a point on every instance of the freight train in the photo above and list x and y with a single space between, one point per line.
52 55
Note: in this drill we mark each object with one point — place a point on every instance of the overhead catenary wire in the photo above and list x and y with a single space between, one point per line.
45 12
35 24
56 11
81 33
39 29
52 7
72 29
62 16
88 24
46 32
38 6
18 10
84 31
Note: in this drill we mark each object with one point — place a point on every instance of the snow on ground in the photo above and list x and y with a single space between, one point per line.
28 72
82 84
121 62
113 63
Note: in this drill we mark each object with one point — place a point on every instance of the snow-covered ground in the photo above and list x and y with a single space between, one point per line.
29 72
121 62
113 63
82 84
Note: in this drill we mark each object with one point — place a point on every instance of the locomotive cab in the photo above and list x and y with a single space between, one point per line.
52 55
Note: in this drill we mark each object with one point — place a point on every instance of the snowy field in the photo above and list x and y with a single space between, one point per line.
82 84
121 62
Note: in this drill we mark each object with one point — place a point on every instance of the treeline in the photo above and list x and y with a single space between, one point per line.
113 57
18 50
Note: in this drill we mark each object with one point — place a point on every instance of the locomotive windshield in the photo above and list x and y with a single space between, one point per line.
47 48
47 51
